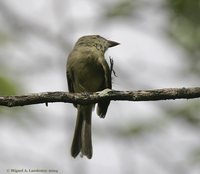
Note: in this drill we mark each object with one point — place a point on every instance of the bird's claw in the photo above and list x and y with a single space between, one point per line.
104 92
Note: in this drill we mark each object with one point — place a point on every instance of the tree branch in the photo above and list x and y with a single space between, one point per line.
89 98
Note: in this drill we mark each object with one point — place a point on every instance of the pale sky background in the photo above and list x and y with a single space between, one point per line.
39 137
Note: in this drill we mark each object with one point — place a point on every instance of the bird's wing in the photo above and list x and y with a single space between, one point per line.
107 74
69 82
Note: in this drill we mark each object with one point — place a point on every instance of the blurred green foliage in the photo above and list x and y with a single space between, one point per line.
186 9
138 129
7 86
195 156
3 38
188 112
185 29
121 9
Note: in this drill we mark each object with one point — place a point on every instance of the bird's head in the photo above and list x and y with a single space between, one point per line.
97 41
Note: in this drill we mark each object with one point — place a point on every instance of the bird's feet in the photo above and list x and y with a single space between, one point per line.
104 92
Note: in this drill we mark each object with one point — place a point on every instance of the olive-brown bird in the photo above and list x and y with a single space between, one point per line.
88 71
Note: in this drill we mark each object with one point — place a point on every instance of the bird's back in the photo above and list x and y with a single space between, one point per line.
85 69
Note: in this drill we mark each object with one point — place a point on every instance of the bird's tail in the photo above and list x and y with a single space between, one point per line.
82 141
102 108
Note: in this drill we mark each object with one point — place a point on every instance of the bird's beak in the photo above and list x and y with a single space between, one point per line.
112 43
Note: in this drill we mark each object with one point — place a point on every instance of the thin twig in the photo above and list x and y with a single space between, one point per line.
89 98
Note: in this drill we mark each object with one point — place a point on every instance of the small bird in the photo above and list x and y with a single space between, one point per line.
88 71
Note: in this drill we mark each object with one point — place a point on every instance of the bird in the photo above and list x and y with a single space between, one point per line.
88 71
